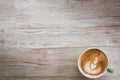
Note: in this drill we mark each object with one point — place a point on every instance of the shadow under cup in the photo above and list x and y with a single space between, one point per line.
93 63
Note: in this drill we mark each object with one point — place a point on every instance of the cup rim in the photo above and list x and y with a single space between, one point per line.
88 76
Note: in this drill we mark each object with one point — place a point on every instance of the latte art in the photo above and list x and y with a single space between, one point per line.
93 62
92 67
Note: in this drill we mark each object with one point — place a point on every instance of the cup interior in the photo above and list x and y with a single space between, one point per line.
93 63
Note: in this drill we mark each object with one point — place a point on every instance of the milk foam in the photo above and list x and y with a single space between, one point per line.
90 67
93 62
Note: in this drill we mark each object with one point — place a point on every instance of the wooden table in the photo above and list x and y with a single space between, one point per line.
42 39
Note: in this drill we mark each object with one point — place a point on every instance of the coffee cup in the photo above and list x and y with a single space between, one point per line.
93 63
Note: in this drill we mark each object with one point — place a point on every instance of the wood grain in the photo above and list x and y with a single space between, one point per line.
42 39
42 62
47 37
58 78
51 24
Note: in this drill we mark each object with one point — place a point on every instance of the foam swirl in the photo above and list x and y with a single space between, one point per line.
93 62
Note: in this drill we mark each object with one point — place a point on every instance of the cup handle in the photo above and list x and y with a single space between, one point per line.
111 70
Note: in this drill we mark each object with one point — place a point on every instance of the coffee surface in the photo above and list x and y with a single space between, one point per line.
93 62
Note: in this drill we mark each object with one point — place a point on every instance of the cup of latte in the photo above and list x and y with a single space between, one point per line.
93 63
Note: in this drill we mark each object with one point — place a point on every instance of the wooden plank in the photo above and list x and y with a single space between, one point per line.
35 36
51 24
73 12
49 62
59 78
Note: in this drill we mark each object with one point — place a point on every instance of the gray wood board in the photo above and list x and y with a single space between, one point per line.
42 39
53 23
49 62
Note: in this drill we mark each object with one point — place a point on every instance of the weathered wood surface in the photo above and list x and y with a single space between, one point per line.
50 63
52 23
42 39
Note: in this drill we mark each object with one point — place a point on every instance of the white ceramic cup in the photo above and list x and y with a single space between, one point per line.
87 75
